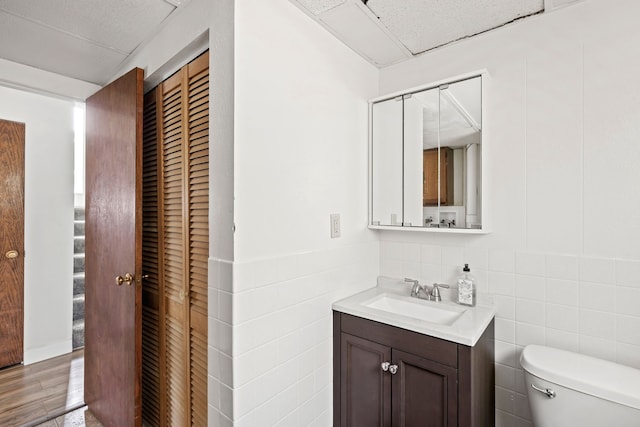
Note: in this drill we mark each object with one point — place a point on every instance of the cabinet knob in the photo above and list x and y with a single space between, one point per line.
388 367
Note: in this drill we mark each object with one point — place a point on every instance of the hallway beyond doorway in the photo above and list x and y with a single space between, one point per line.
42 391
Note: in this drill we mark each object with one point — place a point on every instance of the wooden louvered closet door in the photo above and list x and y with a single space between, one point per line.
176 248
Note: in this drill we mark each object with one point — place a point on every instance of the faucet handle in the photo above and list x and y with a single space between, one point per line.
435 292
416 286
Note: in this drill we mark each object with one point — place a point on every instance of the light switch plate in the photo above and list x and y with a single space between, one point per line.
335 225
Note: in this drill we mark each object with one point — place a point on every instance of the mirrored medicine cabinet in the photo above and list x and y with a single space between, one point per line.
426 162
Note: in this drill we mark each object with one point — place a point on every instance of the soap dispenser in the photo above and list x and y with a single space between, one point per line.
466 287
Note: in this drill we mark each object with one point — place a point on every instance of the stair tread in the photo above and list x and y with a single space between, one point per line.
78 324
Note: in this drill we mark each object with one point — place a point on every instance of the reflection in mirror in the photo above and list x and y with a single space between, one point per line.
426 157
387 162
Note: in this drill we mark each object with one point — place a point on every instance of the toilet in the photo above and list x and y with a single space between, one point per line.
568 389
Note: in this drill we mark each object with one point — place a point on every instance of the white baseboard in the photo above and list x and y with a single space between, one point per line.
39 354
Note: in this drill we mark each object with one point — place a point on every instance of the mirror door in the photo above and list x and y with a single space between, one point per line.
386 162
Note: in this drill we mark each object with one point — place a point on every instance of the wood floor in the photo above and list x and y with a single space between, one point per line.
78 418
31 394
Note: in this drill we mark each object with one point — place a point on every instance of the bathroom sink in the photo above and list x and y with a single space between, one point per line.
433 312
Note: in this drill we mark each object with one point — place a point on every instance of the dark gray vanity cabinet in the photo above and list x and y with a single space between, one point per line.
427 382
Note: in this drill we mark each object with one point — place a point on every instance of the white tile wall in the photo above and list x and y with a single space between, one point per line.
220 343
540 300
278 368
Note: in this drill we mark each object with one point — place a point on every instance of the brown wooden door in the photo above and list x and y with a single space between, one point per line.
175 241
424 392
11 242
113 248
365 389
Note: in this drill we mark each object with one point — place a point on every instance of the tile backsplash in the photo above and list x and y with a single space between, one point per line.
270 352
583 304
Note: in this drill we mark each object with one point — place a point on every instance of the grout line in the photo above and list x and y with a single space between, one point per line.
526 135
582 160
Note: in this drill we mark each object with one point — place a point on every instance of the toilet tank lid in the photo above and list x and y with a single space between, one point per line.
597 377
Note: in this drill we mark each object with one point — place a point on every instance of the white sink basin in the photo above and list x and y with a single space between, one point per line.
434 312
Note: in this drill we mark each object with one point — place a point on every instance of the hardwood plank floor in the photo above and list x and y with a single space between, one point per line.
43 390
79 418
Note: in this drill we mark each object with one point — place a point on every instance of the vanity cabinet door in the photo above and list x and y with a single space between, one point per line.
424 393
365 387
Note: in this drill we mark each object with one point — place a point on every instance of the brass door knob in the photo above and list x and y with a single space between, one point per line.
11 254
128 279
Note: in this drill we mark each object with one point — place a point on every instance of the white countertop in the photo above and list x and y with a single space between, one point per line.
466 329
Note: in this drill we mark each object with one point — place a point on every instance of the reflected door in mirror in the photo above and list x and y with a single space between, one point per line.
438 177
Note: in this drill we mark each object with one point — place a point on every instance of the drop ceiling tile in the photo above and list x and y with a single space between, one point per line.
352 24
117 24
317 7
559 3
28 43
425 24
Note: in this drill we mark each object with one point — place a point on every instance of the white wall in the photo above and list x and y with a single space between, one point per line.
300 133
300 154
48 219
563 261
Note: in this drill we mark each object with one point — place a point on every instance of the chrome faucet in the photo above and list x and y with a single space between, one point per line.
435 291
416 288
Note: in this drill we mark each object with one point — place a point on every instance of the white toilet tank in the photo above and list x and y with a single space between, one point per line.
578 390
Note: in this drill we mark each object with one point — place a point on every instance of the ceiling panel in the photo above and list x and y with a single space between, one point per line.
559 3
422 25
317 7
117 24
351 24
26 42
